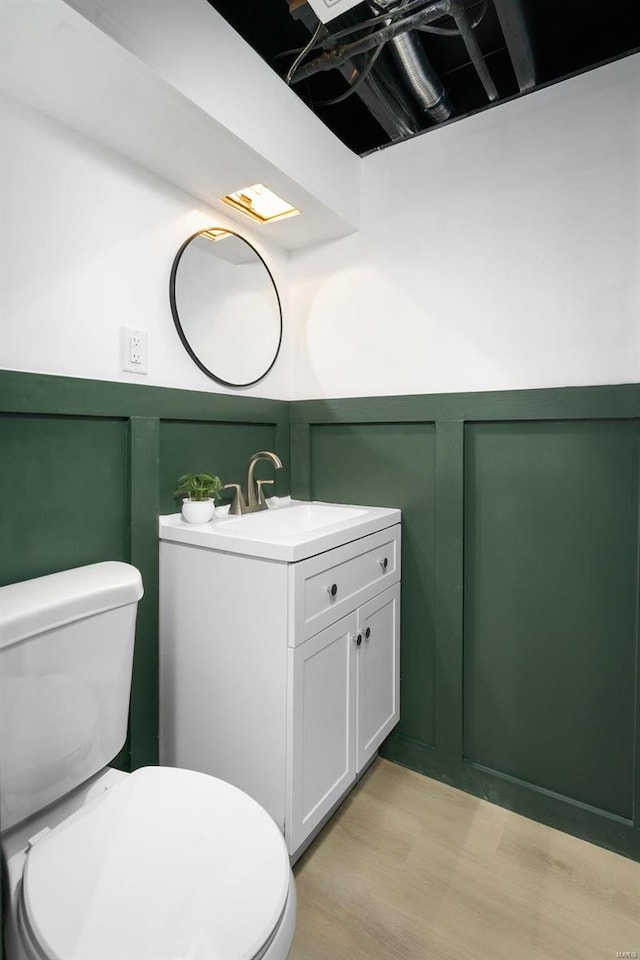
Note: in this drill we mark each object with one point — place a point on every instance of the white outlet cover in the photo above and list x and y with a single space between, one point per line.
134 350
326 10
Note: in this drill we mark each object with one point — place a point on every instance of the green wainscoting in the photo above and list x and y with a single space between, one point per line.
520 558
551 548
221 448
520 585
59 478
86 467
393 465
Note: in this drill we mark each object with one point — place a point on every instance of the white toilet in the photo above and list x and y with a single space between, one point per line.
160 864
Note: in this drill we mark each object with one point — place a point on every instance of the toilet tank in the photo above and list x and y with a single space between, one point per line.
66 651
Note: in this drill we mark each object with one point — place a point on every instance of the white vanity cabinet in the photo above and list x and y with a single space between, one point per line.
344 693
280 677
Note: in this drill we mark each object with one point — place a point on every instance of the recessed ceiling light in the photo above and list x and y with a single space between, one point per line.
215 233
260 203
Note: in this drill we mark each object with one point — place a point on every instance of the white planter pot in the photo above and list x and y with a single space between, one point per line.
197 511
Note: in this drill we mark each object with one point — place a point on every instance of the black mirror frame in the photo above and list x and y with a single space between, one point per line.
176 318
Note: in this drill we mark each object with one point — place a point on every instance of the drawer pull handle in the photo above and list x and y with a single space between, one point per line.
332 590
384 564
367 633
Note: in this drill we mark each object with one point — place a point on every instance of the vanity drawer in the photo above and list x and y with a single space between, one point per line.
328 586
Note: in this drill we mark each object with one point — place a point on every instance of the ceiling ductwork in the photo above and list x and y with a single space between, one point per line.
419 75
356 49
421 78
379 71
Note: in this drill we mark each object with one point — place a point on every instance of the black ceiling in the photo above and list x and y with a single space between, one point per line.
565 37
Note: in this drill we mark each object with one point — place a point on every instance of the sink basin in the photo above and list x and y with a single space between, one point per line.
290 521
289 530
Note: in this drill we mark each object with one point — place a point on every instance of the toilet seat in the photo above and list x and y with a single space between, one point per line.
165 864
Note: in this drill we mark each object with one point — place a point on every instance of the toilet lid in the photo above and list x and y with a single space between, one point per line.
166 864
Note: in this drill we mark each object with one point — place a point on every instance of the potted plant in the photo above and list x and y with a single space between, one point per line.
201 489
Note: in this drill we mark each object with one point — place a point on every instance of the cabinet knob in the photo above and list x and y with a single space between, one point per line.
332 590
358 640
384 563
367 633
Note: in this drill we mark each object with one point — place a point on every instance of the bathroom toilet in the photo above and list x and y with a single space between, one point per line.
161 863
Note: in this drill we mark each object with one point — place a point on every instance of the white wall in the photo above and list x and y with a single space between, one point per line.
87 240
498 252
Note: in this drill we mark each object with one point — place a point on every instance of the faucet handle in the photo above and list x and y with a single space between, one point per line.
238 506
261 499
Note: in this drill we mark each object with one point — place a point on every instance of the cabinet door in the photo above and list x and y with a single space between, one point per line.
378 673
322 740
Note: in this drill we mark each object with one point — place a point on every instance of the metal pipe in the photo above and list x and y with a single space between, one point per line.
513 22
424 82
417 72
461 18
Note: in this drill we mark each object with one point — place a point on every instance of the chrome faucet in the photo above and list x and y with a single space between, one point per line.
255 498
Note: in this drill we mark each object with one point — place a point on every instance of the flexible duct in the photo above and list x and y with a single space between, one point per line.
421 78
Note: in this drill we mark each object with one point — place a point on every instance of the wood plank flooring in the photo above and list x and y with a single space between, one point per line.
411 869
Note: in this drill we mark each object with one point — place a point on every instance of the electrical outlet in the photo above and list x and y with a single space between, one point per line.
133 349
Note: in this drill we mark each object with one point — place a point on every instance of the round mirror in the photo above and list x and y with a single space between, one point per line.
226 307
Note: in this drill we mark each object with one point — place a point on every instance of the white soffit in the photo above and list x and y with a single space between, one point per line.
209 130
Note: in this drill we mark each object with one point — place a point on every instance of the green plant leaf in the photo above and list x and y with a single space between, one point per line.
199 486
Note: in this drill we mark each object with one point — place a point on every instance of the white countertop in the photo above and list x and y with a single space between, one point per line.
290 530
